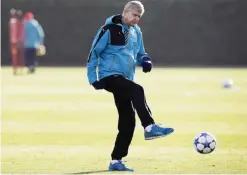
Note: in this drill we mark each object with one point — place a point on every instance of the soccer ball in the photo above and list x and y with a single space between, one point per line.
227 83
205 143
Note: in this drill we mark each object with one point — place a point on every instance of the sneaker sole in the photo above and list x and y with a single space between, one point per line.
156 137
121 170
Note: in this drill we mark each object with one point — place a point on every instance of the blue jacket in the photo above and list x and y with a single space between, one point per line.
34 34
114 53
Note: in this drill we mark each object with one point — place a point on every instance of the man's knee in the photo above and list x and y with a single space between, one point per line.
138 89
127 127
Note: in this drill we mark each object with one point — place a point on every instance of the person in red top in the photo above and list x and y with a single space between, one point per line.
16 38
20 37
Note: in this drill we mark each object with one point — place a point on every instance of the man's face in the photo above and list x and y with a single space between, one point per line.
19 13
132 17
12 12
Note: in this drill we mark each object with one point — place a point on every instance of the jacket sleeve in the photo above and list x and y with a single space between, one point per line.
40 33
99 44
142 53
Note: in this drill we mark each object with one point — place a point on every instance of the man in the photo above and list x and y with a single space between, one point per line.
15 37
116 50
34 38
20 36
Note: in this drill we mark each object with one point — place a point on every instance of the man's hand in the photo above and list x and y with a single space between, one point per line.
146 64
98 85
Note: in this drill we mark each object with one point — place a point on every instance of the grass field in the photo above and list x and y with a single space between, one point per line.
54 122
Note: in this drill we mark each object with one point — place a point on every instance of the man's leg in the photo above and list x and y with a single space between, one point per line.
14 58
30 57
20 58
126 126
26 58
134 92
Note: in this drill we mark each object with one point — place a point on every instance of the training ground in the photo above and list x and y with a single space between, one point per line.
53 122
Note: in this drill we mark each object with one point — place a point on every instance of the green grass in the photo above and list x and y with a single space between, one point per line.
54 122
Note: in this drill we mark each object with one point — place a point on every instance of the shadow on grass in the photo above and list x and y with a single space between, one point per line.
90 172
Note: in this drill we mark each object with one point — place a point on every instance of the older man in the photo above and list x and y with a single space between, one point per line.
116 50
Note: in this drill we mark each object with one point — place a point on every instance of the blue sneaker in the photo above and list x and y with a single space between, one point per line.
157 131
118 166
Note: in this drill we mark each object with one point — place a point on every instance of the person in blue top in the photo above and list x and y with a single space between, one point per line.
33 39
116 50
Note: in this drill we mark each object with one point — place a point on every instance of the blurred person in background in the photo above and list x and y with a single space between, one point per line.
116 50
16 37
33 40
20 39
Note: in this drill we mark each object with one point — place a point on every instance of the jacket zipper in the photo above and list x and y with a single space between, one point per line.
130 60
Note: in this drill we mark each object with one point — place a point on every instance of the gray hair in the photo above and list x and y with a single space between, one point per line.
134 5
